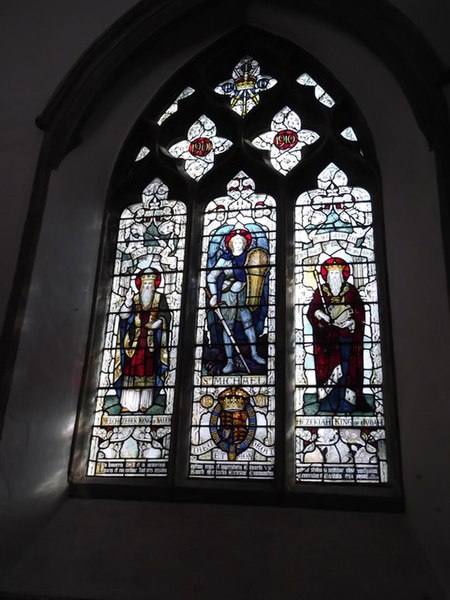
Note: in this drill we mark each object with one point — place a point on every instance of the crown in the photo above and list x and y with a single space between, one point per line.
233 399
335 267
148 276
245 83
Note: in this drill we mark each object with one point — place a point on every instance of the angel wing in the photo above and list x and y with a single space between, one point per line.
217 245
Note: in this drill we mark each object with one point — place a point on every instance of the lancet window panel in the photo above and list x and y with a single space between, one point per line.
233 414
340 425
135 396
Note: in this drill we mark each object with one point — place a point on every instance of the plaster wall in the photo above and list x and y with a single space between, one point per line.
432 20
40 41
110 549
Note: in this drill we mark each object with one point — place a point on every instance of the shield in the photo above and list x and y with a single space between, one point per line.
233 422
257 265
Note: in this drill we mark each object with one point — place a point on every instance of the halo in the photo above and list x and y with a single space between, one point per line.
142 274
335 260
242 232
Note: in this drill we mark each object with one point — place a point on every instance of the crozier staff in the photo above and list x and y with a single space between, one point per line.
142 359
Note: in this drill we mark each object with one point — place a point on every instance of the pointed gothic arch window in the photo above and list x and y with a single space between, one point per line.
239 333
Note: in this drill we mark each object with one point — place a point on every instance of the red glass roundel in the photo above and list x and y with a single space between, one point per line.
200 146
285 139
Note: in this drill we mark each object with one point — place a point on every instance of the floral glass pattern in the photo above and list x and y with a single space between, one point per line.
200 148
233 417
245 86
134 402
285 140
340 433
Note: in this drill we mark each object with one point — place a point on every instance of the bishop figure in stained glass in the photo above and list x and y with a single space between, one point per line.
142 357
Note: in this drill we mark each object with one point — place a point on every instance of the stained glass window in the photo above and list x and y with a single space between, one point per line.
340 432
200 148
285 140
349 134
233 413
172 109
319 92
134 402
256 357
245 86
142 153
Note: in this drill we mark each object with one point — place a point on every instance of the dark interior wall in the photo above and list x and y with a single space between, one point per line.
40 41
112 549
432 21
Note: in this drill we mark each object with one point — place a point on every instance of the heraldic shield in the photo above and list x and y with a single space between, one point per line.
233 422
257 265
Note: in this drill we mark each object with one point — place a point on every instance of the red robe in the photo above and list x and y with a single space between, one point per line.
142 358
139 360
338 352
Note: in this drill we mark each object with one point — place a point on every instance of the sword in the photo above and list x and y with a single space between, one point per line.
228 331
